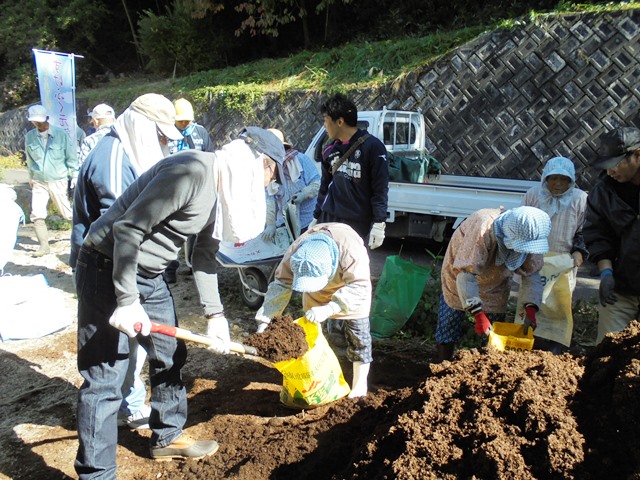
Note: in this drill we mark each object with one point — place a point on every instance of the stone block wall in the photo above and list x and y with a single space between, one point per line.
498 106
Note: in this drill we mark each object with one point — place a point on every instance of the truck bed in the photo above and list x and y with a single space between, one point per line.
455 196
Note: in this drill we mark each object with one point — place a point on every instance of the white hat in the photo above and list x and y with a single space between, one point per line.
37 113
102 110
280 136
160 110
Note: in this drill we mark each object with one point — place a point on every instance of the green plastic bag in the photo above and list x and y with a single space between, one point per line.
412 169
398 291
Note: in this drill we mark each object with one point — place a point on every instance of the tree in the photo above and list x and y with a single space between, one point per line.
267 16
30 24
179 41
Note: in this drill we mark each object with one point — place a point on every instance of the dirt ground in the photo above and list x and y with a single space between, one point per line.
486 415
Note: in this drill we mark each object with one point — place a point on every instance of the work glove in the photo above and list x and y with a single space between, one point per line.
218 330
269 233
376 236
578 258
483 325
530 318
321 313
298 198
313 222
125 319
72 182
262 319
606 290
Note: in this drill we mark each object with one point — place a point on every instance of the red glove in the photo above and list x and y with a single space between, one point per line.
483 325
530 321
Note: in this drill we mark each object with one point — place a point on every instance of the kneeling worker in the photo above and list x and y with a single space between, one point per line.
329 264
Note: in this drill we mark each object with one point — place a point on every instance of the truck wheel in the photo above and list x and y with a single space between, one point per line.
255 279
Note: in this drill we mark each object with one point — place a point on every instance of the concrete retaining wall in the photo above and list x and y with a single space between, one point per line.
498 106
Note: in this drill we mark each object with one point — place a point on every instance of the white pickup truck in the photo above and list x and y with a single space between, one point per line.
429 210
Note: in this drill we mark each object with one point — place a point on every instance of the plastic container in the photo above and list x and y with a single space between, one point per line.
510 336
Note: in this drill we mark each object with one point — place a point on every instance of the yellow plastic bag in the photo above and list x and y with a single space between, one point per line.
555 318
510 336
315 378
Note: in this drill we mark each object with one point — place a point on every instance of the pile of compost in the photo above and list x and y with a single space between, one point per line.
282 340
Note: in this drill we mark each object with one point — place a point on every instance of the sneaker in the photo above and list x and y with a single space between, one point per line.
184 447
136 421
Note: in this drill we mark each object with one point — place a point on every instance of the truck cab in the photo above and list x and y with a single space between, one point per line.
402 132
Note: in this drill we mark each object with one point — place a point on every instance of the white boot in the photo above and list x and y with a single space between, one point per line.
360 374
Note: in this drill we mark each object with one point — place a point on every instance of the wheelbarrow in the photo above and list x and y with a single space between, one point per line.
249 257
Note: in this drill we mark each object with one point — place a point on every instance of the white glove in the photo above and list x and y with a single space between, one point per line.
376 236
269 233
262 319
313 222
298 198
72 182
321 313
125 319
218 329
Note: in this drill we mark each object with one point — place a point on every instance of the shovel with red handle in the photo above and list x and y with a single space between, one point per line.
185 334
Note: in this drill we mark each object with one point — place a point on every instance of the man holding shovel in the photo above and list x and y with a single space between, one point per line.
121 150
329 264
120 284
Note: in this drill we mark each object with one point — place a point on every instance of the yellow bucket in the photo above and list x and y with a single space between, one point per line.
510 336
314 379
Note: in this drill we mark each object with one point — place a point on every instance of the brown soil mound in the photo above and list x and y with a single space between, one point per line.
282 340
486 415
607 406
489 415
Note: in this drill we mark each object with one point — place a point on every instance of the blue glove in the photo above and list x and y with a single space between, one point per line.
606 289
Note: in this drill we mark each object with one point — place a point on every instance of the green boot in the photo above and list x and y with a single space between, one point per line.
43 237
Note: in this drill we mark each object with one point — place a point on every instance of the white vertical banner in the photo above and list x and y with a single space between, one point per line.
57 82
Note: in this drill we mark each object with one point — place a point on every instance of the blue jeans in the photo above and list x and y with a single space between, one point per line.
103 360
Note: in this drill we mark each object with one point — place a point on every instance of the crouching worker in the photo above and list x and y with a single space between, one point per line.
483 254
329 264
120 284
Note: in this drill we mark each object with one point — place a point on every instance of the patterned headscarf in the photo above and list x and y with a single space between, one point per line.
314 263
519 232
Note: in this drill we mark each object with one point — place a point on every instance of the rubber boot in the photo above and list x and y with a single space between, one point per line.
359 385
445 351
43 237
